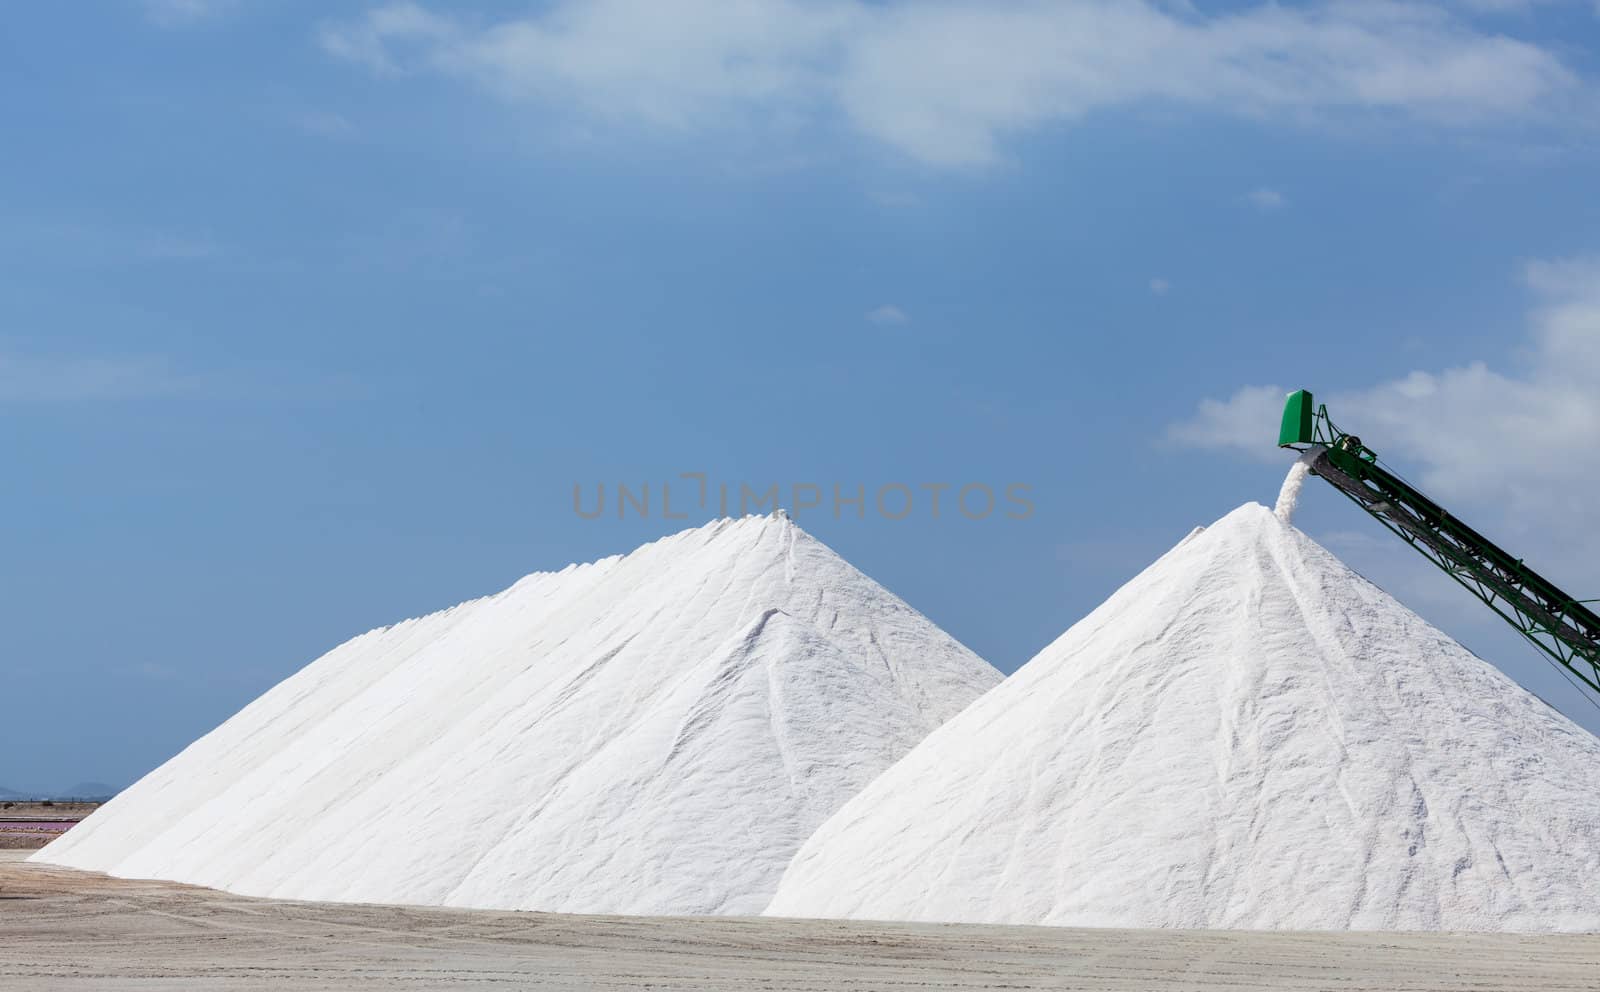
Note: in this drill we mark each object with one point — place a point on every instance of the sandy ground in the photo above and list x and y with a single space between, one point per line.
69 930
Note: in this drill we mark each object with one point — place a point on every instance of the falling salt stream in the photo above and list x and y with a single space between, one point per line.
1289 495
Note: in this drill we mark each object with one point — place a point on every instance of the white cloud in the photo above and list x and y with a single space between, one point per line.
947 82
1245 423
1160 287
1267 199
37 379
1516 446
888 314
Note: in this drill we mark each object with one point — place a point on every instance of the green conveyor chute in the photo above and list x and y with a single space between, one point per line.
1558 624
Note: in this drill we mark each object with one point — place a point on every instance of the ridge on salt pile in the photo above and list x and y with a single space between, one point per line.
1246 735
651 733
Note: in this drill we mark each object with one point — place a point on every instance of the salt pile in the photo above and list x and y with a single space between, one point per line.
654 733
1246 735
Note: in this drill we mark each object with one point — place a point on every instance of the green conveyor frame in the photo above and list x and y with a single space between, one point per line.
1558 624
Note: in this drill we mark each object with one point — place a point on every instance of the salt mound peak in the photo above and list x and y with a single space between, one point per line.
650 733
1246 735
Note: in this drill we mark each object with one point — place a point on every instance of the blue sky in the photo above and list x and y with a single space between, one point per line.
313 315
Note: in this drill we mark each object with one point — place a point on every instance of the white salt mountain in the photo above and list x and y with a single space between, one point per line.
1246 735
651 733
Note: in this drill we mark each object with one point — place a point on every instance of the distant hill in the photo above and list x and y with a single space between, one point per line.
83 792
88 792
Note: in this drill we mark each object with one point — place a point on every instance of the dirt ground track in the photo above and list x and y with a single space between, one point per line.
69 930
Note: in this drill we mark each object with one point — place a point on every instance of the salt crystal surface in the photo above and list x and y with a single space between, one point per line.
654 733
1246 735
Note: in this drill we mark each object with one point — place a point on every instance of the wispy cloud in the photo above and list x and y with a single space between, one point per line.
323 123
946 83
179 13
888 315
170 246
441 239
895 199
152 671
99 243
1510 6
390 38
1160 287
74 379
1266 199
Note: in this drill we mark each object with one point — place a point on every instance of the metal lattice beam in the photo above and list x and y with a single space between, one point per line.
1554 622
